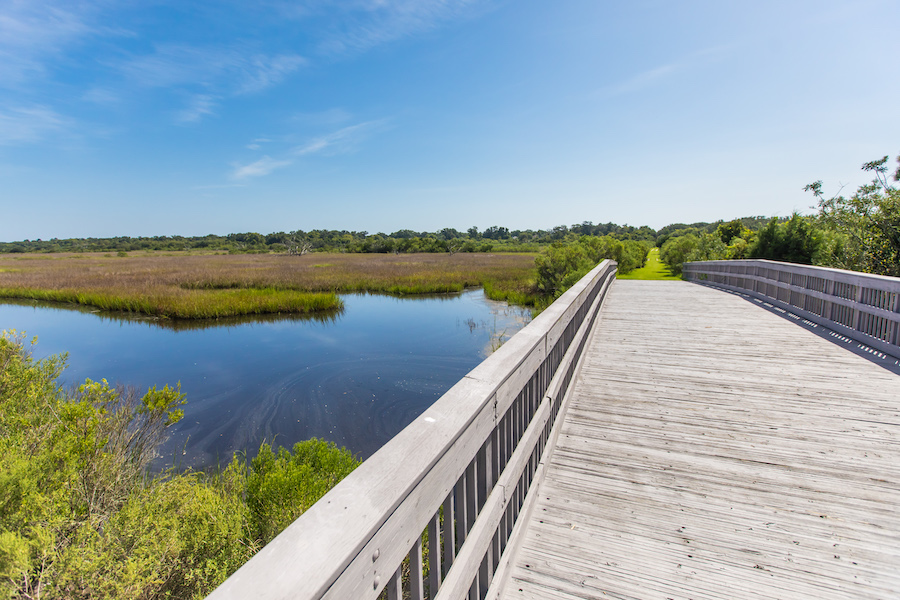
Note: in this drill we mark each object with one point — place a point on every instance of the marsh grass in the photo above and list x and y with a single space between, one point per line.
211 286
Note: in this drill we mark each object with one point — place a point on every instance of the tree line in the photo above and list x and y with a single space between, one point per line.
492 239
859 233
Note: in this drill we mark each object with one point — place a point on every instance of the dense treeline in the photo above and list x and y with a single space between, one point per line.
492 239
859 233
80 515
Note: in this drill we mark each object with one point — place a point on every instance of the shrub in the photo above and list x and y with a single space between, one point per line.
282 485
561 266
796 241
675 251
80 516
709 247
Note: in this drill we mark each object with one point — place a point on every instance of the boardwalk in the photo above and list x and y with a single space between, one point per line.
715 450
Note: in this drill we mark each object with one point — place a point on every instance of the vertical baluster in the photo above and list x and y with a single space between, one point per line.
484 574
471 497
508 436
501 443
462 512
395 585
495 549
416 585
495 457
481 475
434 555
449 533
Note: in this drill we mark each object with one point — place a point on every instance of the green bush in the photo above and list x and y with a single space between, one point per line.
561 266
796 240
676 250
81 517
176 538
563 263
709 247
282 485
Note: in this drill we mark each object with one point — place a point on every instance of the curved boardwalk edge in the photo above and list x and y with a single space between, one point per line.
460 474
714 450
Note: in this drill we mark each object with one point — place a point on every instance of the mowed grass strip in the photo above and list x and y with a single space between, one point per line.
654 269
209 286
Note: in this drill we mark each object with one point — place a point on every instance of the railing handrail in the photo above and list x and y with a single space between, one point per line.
352 542
863 306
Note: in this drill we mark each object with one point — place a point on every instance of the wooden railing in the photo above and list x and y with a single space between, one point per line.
863 307
431 513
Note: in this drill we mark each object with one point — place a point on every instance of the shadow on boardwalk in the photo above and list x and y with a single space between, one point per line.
877 357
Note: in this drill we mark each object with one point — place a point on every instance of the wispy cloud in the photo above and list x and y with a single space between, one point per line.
32 30
261 167
199 106
345 140
641 80
228 69
359 25
102 96
209 74
28 125
325 118
657 75
262 72
342 141
257 143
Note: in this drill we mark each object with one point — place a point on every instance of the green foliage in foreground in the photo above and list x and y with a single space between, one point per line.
81 518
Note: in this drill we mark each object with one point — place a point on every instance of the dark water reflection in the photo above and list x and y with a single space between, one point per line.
355 377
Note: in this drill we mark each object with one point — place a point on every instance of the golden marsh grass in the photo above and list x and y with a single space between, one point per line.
210 286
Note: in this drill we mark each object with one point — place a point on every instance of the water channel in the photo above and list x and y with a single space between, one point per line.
355 378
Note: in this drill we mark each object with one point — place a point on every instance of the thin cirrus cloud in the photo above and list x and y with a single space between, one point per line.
177 65
26 125
216 72
33 30
198 107
359 25
342 141
660 74
641 80
263 166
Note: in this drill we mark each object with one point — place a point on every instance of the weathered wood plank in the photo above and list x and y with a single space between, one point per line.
715 450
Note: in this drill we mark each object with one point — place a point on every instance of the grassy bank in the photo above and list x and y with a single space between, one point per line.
205 286
186 304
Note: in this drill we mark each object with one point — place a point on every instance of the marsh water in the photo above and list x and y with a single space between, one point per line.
355 377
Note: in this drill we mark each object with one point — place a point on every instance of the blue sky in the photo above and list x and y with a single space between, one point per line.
143 117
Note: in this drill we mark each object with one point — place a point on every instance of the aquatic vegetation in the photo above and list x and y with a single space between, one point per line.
214 286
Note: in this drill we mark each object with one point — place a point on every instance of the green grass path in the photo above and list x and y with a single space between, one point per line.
654 269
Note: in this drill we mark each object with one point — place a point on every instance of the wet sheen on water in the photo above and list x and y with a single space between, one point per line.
355 378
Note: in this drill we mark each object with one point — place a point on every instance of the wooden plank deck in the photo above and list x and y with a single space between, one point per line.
715 450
